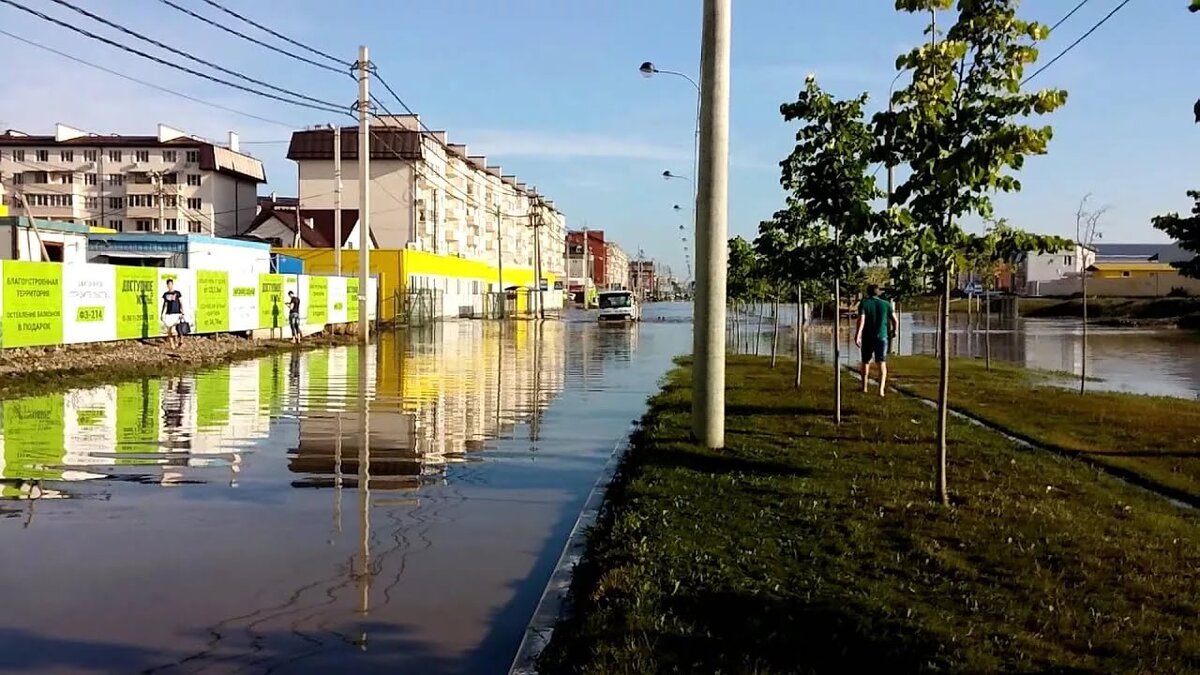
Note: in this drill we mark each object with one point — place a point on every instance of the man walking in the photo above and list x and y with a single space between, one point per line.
293 304
171 314
876 324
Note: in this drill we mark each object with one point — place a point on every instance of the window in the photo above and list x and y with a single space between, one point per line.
39 177
170 225
141 156
193 179
1067 260
90 179
140 178
66 155
89 155
114 155
170 179
144 225
66 178
91 222
194 203
91 202
115 179
56 201
171 201
170 156
18 178
43 155
117 225
194 227
18 155
142 201
1125 273
116 203
193 156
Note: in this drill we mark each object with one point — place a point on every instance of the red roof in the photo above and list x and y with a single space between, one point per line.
320 234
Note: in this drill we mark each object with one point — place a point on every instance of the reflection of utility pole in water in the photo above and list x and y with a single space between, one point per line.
337 476
534 427
363 571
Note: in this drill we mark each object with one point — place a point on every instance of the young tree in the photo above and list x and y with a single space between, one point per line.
1087 233
743 280
959 127
1186 231
826 176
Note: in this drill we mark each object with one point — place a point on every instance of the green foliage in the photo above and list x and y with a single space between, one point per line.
958 127
745 280
1003 244
1187 232
794 253
1195 6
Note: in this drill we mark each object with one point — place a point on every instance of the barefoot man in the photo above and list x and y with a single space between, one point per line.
876 323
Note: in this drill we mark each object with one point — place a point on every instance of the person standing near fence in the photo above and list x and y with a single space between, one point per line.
172 314
294 316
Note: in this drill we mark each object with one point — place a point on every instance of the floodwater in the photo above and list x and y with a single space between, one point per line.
1160 361
241 521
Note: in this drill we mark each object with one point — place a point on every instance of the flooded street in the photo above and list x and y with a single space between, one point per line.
240 520
1161 361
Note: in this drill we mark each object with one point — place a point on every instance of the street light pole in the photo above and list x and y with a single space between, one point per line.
364 193
708 403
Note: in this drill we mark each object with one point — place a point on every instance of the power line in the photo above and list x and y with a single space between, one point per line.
278 35
151 57
144 83
186 55
256 41
1076 43
1069 15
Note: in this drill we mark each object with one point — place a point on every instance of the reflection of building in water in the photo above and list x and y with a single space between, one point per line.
439 392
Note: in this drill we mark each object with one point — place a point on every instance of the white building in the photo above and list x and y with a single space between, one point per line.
616 267
169 182
431 195
1039 268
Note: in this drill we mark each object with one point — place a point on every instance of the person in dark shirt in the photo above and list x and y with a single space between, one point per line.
876 325
172 314
293 304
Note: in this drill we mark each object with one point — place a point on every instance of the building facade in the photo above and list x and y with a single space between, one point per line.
1036 269
169 182
616 268
587 265
642 278
431 195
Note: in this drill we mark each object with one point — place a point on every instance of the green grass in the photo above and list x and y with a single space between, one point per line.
1152 439
803 547
929 303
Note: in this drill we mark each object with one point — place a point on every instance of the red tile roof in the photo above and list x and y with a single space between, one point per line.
320 235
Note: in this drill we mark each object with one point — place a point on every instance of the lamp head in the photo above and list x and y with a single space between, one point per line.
647 69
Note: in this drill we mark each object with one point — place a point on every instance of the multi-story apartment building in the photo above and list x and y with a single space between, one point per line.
586 266
642 277
428 194
169 182
616 271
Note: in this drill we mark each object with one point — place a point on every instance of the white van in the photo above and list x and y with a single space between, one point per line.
619 306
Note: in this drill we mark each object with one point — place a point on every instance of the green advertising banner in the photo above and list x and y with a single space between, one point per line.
352 299
33 304
318 300
137 302
212 398
34 437
212 302
272 312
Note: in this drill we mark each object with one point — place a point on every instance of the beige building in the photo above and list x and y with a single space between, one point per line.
616 269
169 182
431 195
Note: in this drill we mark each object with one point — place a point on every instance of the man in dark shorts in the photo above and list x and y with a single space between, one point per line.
293 304
876 324
172 314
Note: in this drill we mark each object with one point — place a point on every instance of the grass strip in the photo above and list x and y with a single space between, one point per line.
804 547
1152 439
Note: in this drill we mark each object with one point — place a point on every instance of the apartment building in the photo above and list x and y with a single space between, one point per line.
169 182
587 265
430 195
616 270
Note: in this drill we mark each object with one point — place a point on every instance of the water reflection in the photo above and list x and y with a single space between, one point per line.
1136 360
396 509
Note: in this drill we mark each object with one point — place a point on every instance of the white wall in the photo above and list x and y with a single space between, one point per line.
391 195
215 256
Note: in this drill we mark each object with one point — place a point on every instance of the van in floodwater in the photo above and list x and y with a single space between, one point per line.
619 306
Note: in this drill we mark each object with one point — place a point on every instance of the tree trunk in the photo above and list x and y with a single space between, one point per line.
1083 360
775 332
762 310
943 388
987 332
837 351
799 332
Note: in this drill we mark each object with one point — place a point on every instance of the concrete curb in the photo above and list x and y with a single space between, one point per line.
552 603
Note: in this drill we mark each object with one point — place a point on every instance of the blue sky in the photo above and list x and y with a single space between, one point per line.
550 90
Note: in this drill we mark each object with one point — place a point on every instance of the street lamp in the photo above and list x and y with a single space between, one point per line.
667 175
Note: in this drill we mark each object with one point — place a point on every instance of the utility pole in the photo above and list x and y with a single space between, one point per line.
708 402
587 268
500 265
364 192
160 196
337 200
535 218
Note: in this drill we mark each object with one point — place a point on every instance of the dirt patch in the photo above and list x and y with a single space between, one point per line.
34 370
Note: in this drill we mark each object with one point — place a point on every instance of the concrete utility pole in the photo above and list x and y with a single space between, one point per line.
708 402
500 265
587 268
337 200
536 220
364 192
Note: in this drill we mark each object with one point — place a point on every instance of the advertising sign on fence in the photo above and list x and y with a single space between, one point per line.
318 300
137 302
33 304
212 301
89 303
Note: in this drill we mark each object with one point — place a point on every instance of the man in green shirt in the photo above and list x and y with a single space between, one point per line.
876 325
